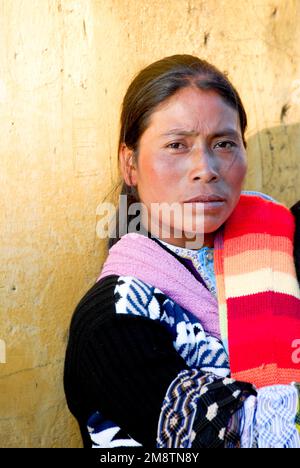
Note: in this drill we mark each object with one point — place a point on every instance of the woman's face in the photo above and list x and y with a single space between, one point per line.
192 149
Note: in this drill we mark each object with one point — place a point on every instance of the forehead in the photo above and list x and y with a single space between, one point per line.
195 110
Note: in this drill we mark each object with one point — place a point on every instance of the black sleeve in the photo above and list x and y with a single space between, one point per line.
296 212
121 365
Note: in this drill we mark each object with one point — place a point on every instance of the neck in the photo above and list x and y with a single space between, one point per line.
194 243
177 237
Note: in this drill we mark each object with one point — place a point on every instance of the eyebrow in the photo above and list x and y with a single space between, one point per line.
225 131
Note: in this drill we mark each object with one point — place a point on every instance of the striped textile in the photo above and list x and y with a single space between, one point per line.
179 409
275 417
258 292
235 429
247 434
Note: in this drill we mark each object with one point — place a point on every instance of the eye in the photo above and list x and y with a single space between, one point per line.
227 145
176 145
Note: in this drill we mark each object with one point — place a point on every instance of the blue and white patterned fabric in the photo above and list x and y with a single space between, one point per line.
199 350
106 434
259 194
248 423
275 417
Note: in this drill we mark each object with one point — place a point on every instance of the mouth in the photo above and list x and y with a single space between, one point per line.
208 203
212 198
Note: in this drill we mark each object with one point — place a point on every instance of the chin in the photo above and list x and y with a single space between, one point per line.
210 227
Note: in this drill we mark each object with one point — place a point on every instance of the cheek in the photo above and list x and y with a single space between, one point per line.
243 169
159 181
237 173
160 171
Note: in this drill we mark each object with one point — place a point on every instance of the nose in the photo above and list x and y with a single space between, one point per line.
203 166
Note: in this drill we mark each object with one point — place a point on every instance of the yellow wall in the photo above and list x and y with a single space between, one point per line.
64 66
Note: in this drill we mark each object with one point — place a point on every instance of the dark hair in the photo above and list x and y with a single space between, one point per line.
156 83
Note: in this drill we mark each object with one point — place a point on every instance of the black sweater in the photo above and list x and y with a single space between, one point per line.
296 211
105 367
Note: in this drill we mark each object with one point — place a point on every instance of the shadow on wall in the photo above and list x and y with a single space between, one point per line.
274 162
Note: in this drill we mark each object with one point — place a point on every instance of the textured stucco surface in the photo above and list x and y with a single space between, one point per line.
64 66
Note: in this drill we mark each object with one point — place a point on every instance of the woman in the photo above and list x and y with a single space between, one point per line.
194 305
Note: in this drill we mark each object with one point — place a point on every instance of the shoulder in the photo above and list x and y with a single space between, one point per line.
135 297
118 295
113 312
114 301
296 211
118 299
97 304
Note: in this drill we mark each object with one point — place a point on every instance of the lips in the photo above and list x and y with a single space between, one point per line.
205 198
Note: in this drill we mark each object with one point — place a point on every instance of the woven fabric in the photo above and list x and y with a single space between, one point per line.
202 260
217 403
197 348
107 434
141 257
179 409
275 417
258 292
247 433
235 429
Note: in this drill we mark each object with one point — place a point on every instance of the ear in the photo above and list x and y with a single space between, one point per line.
128 165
